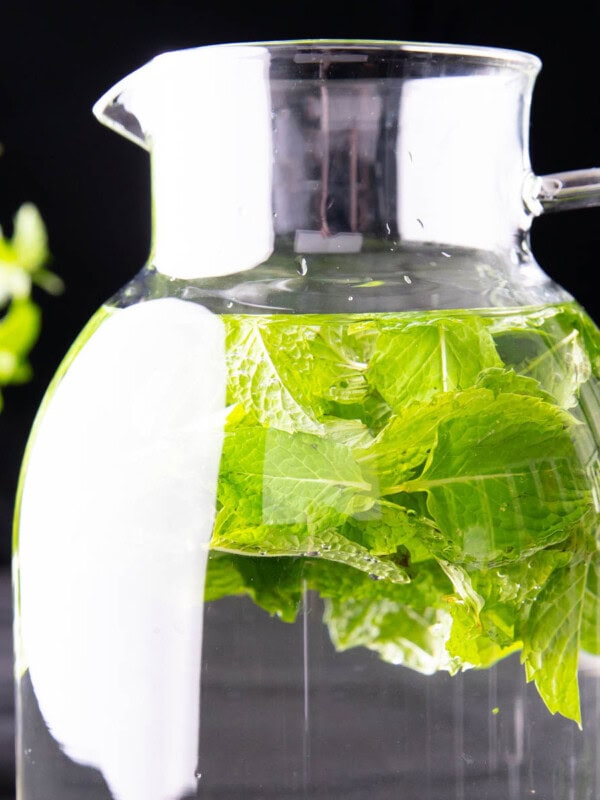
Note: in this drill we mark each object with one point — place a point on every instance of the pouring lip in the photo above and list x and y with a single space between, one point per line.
521 59
115 115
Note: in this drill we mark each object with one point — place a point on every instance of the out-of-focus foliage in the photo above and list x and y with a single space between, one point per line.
23 260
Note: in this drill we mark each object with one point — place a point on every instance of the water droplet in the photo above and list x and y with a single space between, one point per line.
446 255
373 576
350 298
388 230
313 554
302 267
230 304
197 774
407 279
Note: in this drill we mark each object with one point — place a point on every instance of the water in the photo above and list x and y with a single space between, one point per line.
369 729
369 503
375 730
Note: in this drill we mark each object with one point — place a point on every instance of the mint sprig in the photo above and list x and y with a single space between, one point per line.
431 475
23 259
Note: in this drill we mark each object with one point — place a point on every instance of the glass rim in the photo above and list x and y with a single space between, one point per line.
492 54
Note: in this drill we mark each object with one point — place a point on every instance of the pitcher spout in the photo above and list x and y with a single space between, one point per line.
115 108
204 115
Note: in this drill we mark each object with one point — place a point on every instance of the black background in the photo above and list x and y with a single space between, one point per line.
92 187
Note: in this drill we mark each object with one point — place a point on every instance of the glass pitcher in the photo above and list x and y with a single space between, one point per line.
310 507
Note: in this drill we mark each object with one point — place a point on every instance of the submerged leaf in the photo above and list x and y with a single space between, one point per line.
433 476
503 480
427 357
405 625
551 638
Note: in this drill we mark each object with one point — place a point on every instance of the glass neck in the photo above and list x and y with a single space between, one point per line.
330 147
336 166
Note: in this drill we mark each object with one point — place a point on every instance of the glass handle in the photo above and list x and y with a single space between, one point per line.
562 191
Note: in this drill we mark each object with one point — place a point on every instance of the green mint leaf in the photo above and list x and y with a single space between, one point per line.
24 256
394 530
275 584
260 374
476 642
550 347
490 604
405 624
399 452
552 636
295 478
233 534
19 329
590 614
423 358
288 374
503 480
507 380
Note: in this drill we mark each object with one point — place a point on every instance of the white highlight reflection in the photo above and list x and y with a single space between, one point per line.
211 152
460 162
119 502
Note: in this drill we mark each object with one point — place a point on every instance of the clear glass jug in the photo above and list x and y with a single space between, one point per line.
310 508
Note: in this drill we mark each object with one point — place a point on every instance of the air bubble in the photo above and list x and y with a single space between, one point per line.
230 304
302 267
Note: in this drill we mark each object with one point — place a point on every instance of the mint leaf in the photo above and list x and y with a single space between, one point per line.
394 530
590 614
400 451
19 329
550 347
503 480
285 494
405 624
418 360
275 584
491 603
233 535
260 378
507 380
295 478
289 373
474 642
552 638
22 260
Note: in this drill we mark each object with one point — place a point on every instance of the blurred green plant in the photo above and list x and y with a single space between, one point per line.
23 260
